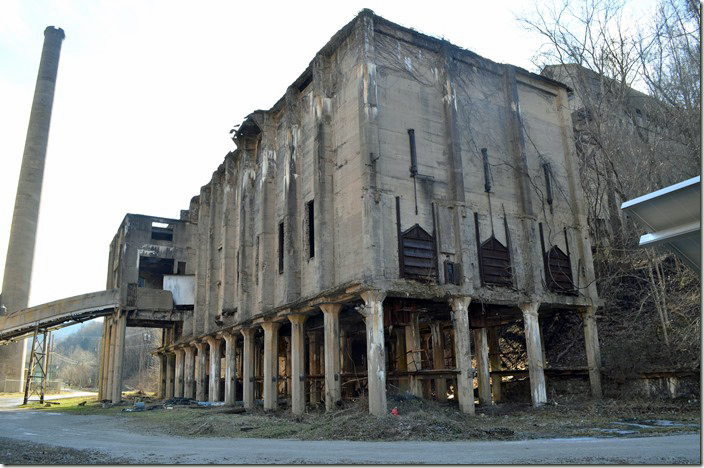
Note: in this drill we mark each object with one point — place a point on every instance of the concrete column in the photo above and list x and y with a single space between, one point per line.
298 372
101 362
483 377
214 388
314 366
178 373
20 249
162 375
110 365
105 361
120 325
463 353
189 367
439 360
170 368
333 384
271 354
534 351
248 367
591 341
413 355
200 373
495 362
373 313
230 369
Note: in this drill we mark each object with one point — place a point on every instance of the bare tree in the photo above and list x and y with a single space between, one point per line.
629 143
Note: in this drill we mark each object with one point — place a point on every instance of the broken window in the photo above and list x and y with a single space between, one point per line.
281 248
162 231
311 228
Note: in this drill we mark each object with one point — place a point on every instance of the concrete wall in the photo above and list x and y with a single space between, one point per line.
339 138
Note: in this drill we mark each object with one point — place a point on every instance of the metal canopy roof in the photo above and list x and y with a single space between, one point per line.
673 218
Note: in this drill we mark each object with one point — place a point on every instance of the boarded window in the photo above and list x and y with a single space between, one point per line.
495 263
417 255
559 272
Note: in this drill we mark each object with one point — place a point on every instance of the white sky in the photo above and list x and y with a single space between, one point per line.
148 90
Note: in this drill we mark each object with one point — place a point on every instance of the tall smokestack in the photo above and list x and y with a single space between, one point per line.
23 233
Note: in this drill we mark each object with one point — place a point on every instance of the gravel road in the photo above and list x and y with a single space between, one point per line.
100 433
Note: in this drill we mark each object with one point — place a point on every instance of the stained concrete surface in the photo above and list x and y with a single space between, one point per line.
103 433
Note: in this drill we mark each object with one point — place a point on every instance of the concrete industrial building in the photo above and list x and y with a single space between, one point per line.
372 232
400 202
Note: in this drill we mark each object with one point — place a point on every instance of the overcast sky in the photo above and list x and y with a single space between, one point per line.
148 90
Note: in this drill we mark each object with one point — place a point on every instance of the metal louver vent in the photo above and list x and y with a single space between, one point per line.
417 254
495 263
559 272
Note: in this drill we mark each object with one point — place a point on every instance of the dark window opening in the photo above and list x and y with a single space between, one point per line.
311 229
453 273
152 271
281 248
181 269
162 231
304 84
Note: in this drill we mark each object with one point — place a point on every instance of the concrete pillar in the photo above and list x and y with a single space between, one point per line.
200 373
495 362
591 341
214 384
248 367
230 369
413 355
110 365
439 360
170 368
314 367
101 362
333 384
534 351
463 353
20 249
105 361
481 346
120 325
162 375
298 371
178 373
373 313
271 354
189 368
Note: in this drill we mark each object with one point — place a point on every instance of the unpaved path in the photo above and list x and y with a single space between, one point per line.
101 433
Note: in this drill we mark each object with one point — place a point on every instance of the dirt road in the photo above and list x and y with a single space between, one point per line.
101 433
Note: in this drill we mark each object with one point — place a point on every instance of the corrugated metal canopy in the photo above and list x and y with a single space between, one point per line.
672 217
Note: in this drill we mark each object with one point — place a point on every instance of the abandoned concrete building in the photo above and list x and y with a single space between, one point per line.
370 233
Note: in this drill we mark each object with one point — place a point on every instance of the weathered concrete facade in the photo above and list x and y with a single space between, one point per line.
402 193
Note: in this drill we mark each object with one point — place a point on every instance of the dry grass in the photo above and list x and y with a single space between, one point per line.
417 420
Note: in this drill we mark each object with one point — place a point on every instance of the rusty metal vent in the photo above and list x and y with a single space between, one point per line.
559 272
417 254
495 263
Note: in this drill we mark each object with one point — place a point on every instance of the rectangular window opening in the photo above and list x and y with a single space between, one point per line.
311 229
281 248
162 231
